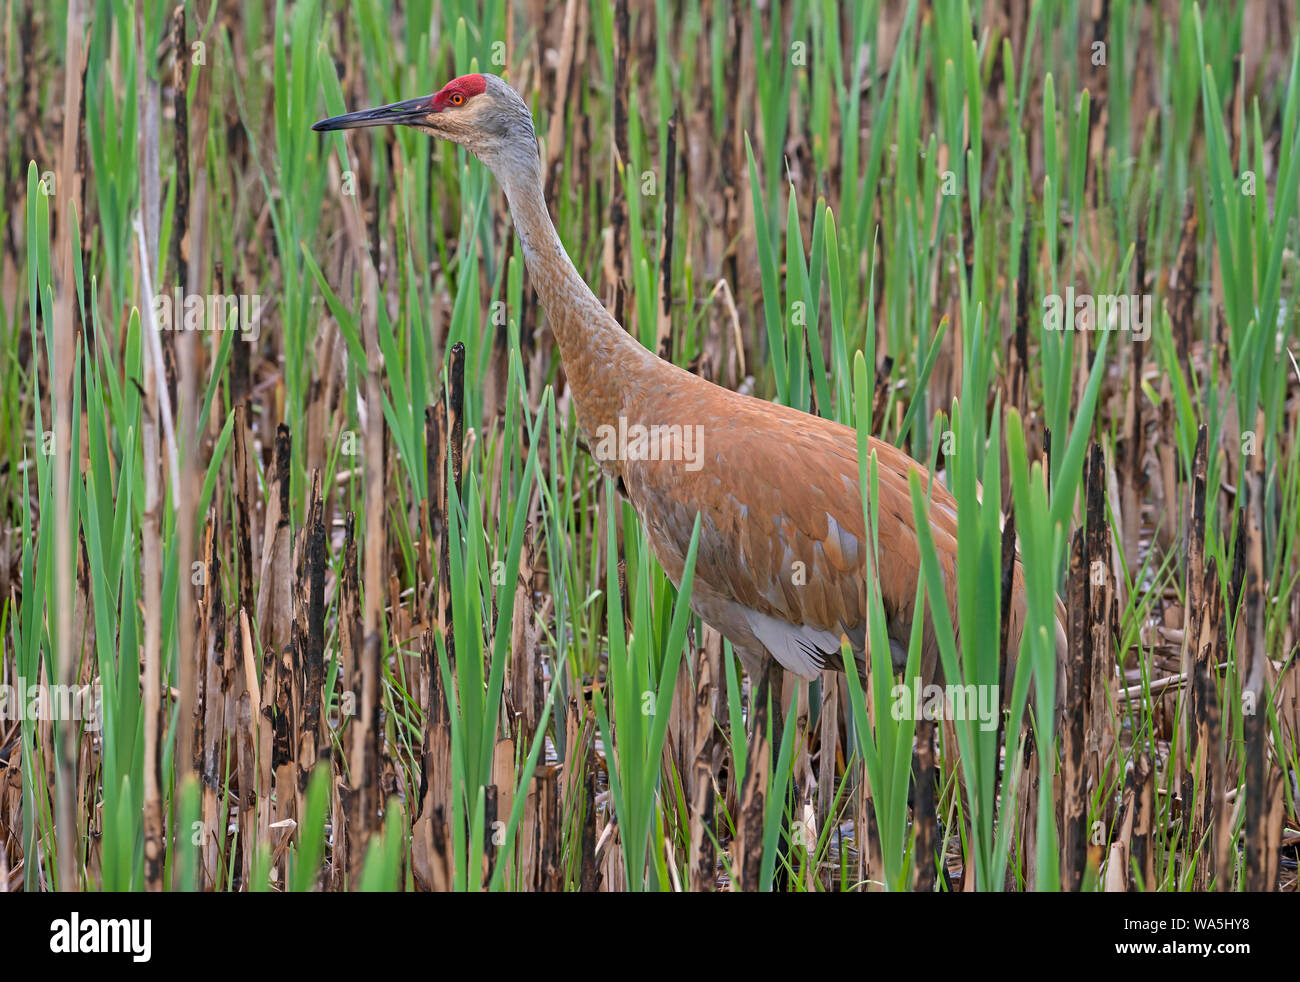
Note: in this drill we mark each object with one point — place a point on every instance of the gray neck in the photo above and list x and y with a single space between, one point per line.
607 368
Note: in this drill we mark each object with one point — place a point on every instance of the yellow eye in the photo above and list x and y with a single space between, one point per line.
457 99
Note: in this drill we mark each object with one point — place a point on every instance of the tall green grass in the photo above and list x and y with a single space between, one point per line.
929 168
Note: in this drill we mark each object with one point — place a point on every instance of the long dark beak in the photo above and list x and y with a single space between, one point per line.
395 114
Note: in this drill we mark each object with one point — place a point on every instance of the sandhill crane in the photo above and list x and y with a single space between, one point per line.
774 487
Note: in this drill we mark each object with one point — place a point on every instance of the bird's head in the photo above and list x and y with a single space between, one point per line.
482 113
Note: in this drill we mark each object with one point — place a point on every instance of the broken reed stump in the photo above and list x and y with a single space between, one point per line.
1183 287
709 682
1198 766
343 803
1133 476
214 686
1130 863
431 838
664 328
871 864
444 461
1006 672
1074 777
830 724
312 739
1088 731
747 847
1103 618
580 771
882 392
1194 553
1264 800
1199 704
524 682
924 817
618 205
1204 795
188 659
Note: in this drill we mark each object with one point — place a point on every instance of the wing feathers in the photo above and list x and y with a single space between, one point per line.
782 531
800 649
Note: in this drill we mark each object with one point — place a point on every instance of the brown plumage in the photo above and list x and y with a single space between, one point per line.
781 564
